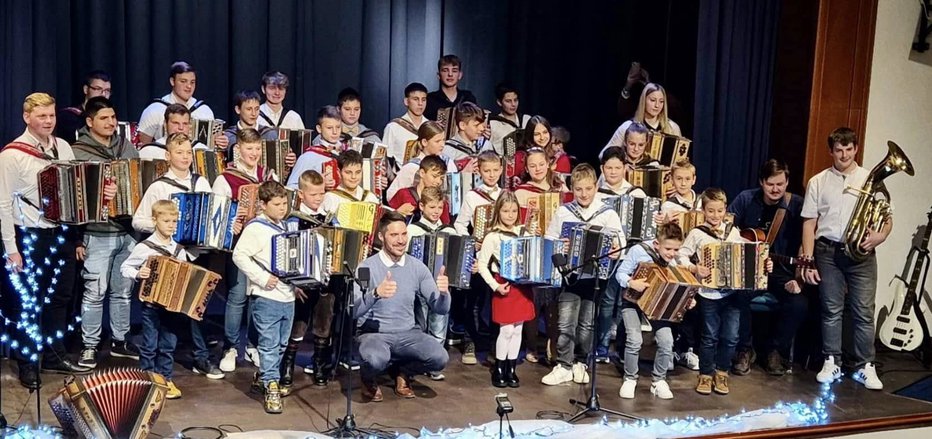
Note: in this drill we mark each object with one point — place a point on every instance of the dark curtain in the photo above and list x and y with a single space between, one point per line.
734 81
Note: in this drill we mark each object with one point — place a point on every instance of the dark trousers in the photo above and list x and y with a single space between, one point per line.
315 313
791 311
720 320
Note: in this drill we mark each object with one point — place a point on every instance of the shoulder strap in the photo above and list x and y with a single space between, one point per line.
576 210
406 125
423 227
708 231
160 101
74 110
653 254
344 194
267 224
105 152
778 219
632 189
504 120
485 195
606 191
460 146
170 182
413 192
237 173
160 249
29 149
196 105
268 118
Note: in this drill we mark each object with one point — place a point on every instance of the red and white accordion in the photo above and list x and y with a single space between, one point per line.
73 192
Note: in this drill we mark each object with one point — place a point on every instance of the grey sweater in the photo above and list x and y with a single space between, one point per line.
396 314
88 148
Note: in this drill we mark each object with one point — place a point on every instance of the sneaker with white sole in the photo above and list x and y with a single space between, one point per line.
830 372
687 359
228 361
580 376
558 375
661 390
436 375
252 355
867 376
88 358
627 389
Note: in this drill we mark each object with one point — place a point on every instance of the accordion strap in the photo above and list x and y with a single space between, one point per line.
406 125
709 231
32 150
165 179
505 120
161 250
413 192
456 144
576 210
344 194
268 118
485 195
268 224
237 173
423 227
653 254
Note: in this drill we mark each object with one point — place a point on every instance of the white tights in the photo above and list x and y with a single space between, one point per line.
509 342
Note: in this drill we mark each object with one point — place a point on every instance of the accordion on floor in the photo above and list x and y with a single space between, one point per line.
482 221
301 258
457 253
120 403
178 286
637 215
669 292
205 220
735 265
667 149
540 211
205 131
656 182
298 140
73 192
588 241
345 245
209 163
529 260
456 186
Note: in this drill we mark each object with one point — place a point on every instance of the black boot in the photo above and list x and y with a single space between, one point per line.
322 364
511 378
498 374
287 366
29 375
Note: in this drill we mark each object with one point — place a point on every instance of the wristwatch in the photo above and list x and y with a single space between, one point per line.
375 292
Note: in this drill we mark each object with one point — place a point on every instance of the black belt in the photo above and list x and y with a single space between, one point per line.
831 243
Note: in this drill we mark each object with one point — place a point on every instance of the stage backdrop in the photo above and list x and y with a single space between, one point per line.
568 58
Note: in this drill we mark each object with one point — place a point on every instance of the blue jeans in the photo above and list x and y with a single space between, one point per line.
273 323
236 304
575 327
435 325
412 352
663 337
841 274
610 304
720 320
105 254
157 350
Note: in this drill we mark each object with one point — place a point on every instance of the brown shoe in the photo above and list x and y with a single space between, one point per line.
742 363
372 392
720 383
402 389
705 385
775 365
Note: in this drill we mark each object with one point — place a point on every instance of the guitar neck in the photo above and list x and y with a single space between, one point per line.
918 263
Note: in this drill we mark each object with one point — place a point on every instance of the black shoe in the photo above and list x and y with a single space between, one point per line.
742 363
775 365
287 366
209 370
498 374
511 378
322 364
124 349
29 376
66 367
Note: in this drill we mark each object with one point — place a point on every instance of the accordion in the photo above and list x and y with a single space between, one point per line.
368 150
669 293
358 215
178 286
273 157
637 215
111 404
482 221
588 241
205 220
656 182
205 131
540 211
152 170
346 245
373 175
689 220
132 177
209 163
511 141
410 150
247 204
301 258
457 253
446 118
529 260
735 265
298 140
667 148
456 186
73 192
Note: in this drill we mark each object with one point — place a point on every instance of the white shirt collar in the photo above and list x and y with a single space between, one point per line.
307 209
38 143
240 125
387 260
625 184
434 225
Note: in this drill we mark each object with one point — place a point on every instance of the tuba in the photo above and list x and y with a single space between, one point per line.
873 213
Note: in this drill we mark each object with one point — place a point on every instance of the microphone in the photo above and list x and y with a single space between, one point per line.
361 277
559 261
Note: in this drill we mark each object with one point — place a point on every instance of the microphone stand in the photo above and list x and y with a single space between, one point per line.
592 405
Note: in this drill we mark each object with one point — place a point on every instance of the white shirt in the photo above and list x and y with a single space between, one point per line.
160 190
618 138
387 260
152 120
141 252
492 246
332 200
621 189
694 241
501 129
292 120
254 248
311 160
18 175
608 218
415 230
405 177
829 200
396 137
471 201
456 154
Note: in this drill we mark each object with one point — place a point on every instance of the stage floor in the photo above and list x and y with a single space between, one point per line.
466 397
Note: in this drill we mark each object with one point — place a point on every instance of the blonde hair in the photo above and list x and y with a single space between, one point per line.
506 197
431 194
488 156
683 164
164 207
310 178
177 139
583 171
664 118
713 194
37 100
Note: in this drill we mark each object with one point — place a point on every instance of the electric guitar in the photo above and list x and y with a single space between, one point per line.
758 235
903 330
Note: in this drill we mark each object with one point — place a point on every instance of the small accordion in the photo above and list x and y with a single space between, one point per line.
209 163
667 149
671 288
178 286
529 260
482 221
206 130
656 182
587 242
116 403
511 141
540 211
735 265
368 150
73 192
457 253
301 258
410 150
346 245
456 186
374 175
132 177
299 141
273 157
205 220
689 220
637 215
247 204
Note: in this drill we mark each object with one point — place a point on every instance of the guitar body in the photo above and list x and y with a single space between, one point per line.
902 330
754 235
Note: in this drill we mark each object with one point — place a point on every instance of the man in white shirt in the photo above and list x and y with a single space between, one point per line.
846 285
177 120
183 80
403 129
509 120
273 113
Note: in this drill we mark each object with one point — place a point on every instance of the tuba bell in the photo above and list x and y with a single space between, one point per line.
872 212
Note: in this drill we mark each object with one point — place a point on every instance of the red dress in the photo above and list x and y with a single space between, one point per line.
515 307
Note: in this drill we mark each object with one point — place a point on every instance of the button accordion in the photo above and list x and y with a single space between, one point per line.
301 258
178 286
456 186
482 221
529 260
588 241
457 253
132 177
637 215
656 182
695 218
735 265
540 211
73 192
667 149
299 141
358 215
374 175
346 245
446 118
273 157
206 130
205 220
209 163
669 292
111 404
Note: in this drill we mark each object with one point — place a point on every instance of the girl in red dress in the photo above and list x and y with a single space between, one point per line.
512 305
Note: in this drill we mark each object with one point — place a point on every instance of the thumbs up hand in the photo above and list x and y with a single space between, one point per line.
443 283
387 288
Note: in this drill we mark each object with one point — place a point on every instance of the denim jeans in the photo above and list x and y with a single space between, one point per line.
720 320
841 274
273 323
105 254
236 304
157 350
610 304
411 352
575 327
663 337
432 323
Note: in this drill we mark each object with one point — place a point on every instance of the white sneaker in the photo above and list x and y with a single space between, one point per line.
692 360
558 375
580 376
627 389
252 355
660 389
830 372
867 376
228 361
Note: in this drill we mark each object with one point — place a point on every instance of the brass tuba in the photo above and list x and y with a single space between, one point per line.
871 212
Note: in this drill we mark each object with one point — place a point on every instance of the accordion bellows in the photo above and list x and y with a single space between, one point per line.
456 253
529 260
111 404
301 258
735 265
669 293
73 192
178 286
588 241
205 220
345 245
482 221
